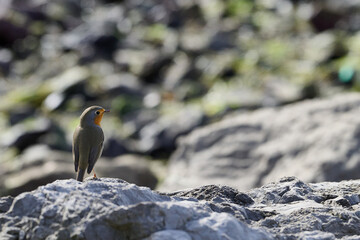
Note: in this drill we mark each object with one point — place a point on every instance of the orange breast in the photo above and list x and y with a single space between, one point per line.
98 119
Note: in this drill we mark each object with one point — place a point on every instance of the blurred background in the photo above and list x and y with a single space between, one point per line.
163 67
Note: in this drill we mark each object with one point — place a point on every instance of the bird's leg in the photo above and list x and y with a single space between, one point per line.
94 174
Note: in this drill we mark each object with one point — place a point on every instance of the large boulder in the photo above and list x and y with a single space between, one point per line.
114 209
315 140
289 208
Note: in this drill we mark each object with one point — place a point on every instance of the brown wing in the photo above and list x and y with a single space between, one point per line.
96 147
75 148
95 153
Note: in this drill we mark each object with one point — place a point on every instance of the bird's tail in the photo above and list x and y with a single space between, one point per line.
80 175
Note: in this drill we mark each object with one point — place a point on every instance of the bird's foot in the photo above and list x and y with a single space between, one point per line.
95 177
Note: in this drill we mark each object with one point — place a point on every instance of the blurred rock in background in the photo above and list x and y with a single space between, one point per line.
317 140
39 165
164 68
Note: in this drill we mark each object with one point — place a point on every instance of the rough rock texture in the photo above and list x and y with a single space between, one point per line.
290 209
114 209
316 140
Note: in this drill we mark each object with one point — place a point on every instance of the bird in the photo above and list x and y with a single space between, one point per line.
88 141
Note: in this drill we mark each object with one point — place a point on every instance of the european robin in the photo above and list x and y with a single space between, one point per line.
88 141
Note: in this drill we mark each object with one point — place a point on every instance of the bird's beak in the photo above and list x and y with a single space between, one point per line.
107 110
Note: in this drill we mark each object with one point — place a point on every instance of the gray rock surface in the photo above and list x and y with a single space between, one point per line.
290 209
317 140
114 209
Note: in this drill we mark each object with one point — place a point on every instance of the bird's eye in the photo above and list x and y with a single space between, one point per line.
97 112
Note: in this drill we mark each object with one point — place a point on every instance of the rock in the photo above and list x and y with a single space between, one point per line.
131 168
338 15
178 69
170 234
57 138
114 209
328 218
36 166
151 73
319 20
136 120
195 39
5 7
224 97
32 10
10 33
290 209
211 192
64 85
114 147
25 134
6 58
5 203
19 114
313 140
134 60
223 40
152 99
280 92
97 36
122 84
159 137
39 165
221 199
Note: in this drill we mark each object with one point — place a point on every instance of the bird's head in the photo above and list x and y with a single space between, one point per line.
92 115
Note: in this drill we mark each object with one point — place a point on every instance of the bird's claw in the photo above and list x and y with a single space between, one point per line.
95 177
